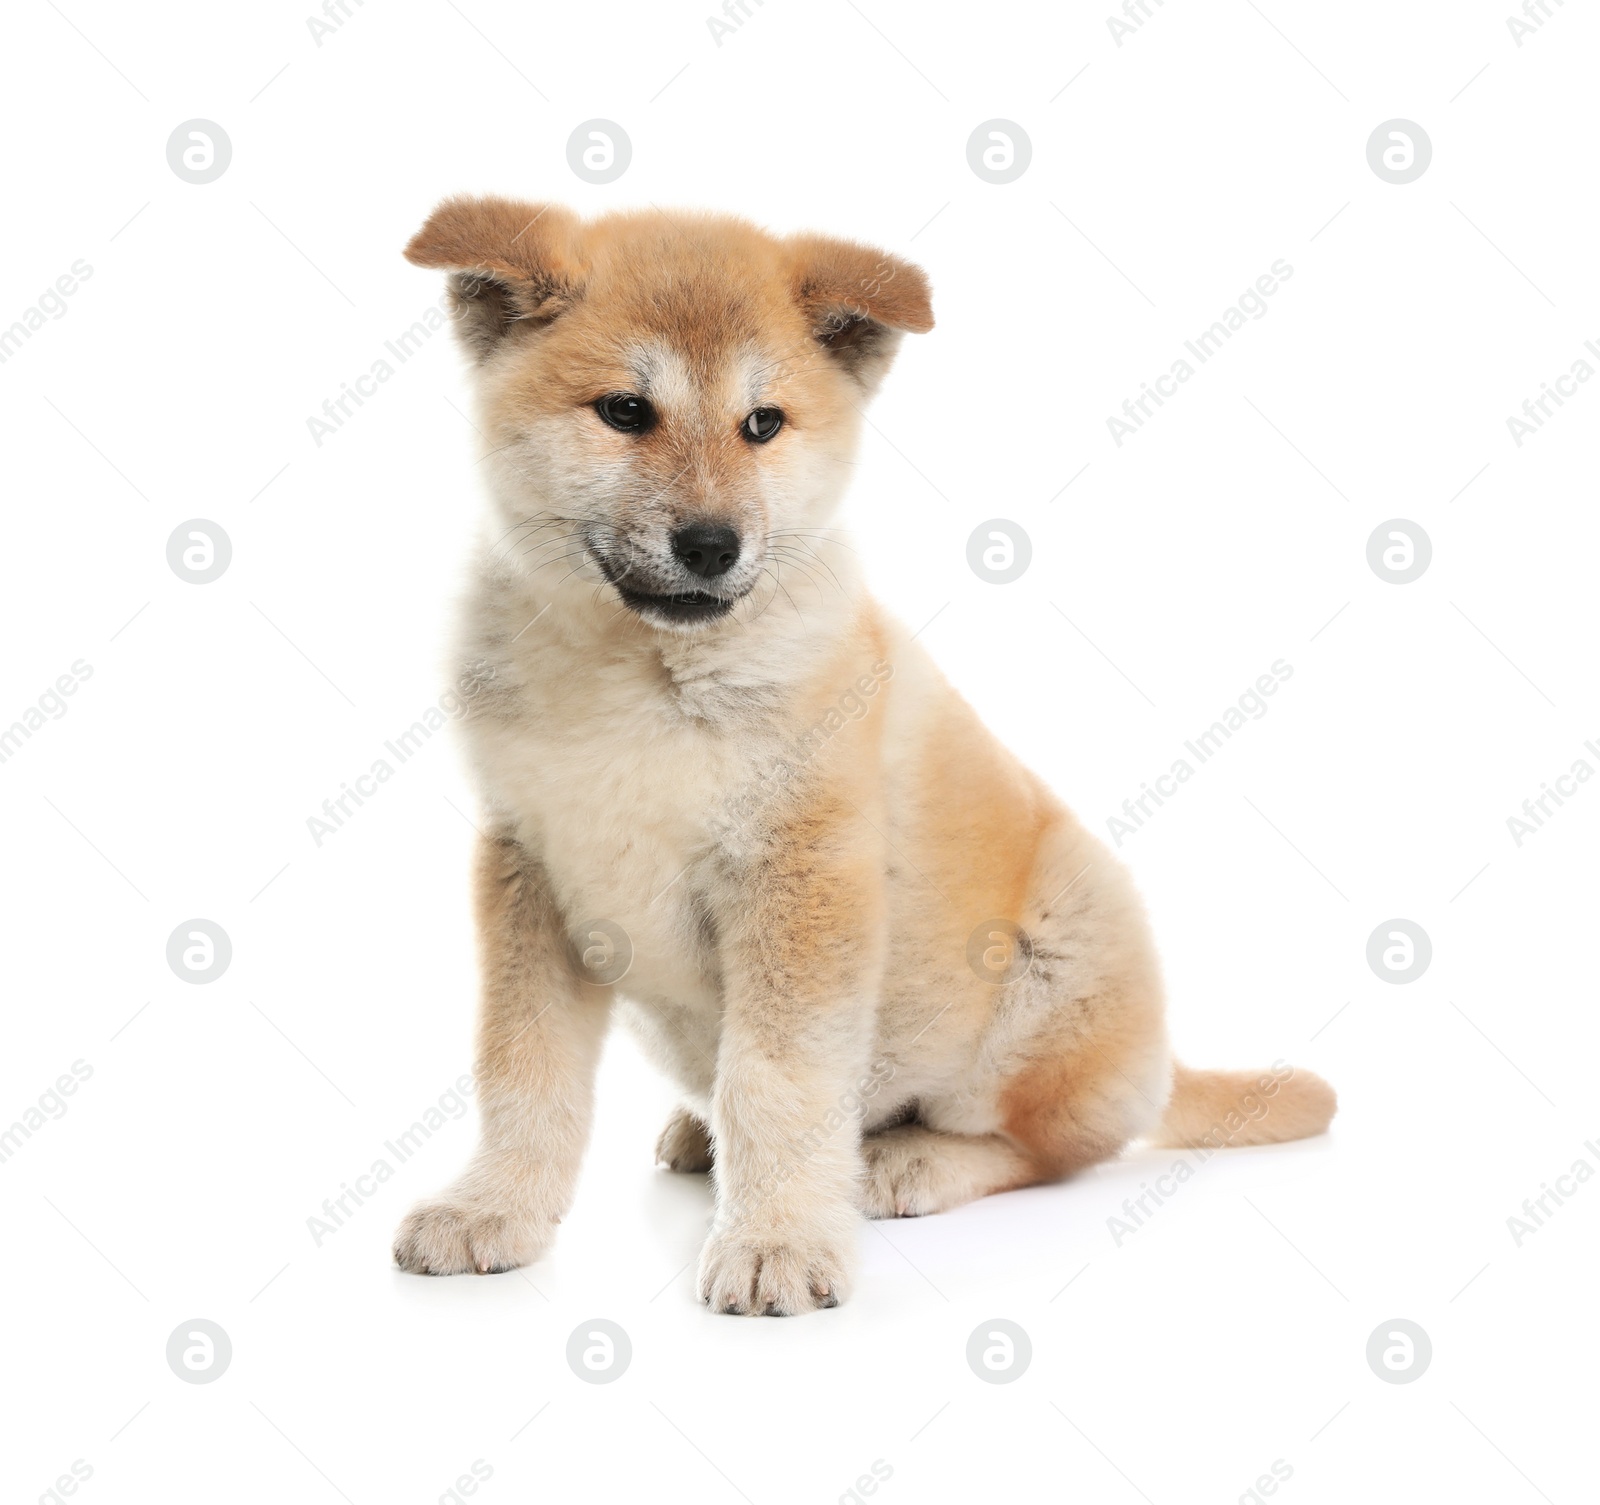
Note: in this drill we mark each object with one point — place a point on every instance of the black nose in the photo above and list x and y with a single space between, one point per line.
706 549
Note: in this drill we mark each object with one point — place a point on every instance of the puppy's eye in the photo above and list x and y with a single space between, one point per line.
627 412
762 424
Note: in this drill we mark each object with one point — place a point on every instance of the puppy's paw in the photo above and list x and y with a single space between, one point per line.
911 1171
449 1237
770 1274
899 1179
685 1143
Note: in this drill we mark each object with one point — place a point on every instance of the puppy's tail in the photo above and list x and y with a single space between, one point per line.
1215 1108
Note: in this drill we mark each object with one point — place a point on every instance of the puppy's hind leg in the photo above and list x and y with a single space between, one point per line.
540 1027
685 1143
910 1171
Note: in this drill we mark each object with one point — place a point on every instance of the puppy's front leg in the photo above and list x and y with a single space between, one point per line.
802 944
540 1028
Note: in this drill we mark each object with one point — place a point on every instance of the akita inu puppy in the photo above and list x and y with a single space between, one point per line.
889 971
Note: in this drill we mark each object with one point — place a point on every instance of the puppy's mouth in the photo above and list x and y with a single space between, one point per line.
684 606
679 608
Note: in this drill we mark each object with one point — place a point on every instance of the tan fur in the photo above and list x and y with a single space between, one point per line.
800 827
1240 1107
539 1034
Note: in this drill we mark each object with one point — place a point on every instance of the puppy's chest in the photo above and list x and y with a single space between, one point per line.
624 783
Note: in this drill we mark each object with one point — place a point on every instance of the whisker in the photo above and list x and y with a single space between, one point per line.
817 536
801 568
783 551
770 599
569 534
575 554
778 576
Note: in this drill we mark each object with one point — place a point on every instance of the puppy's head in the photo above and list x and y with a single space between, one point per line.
666 397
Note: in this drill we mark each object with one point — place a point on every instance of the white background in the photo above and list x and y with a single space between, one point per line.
1167 174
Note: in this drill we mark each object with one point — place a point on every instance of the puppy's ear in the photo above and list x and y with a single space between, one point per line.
511 264
858 302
